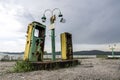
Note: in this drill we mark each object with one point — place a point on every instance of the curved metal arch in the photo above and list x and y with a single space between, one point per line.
52 11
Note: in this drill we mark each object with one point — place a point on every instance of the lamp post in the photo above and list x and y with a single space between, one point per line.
112 48
52 21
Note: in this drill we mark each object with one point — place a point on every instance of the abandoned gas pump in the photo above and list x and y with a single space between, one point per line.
34 48
66 46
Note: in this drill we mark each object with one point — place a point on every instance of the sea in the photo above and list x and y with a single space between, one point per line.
20 56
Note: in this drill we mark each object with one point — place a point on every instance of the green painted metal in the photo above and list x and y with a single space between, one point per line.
52 19
37 42
53 44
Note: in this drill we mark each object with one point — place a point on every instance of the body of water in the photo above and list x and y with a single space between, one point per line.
17 56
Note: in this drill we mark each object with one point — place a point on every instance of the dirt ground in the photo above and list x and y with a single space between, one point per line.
90 69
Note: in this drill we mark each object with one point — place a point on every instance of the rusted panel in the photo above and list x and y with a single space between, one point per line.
66 46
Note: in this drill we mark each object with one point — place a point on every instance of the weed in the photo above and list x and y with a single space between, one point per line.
22 66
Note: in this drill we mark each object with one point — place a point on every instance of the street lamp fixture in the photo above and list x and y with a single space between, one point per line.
52 21
60 15
43 18
112 48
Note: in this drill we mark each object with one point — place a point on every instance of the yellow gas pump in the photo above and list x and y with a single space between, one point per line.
66 46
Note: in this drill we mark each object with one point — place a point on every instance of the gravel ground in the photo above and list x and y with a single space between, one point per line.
90 69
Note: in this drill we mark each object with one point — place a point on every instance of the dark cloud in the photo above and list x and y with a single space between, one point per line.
96 22
89 21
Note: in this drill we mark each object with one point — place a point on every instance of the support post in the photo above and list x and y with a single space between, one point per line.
53 43
112 52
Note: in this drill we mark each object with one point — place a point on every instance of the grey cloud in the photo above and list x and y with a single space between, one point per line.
95 24
25 18
89 21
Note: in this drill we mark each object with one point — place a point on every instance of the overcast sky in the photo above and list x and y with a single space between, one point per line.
94 24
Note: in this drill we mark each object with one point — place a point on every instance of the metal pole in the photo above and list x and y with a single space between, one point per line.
52 20
112 48
53 43
112 52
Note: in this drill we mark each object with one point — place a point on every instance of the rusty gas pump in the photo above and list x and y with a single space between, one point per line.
66 46
34 48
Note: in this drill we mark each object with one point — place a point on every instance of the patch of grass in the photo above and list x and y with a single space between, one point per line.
113 58
22 66
82 58
9 60
101 56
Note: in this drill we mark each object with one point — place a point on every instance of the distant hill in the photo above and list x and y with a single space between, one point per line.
91 52
95 52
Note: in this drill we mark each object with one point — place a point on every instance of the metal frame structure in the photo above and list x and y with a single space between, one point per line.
52 21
